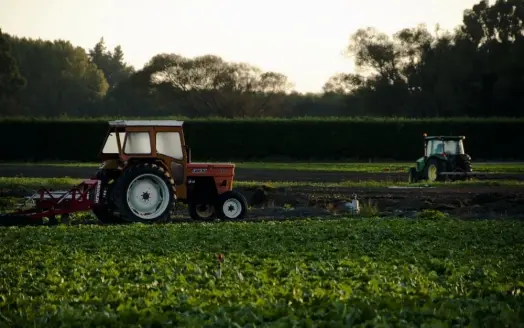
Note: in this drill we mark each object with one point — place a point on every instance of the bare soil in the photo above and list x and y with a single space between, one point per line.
307 201
474 202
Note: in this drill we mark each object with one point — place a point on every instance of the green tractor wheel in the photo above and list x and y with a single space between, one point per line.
433 169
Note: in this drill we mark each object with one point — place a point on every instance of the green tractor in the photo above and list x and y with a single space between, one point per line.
444 158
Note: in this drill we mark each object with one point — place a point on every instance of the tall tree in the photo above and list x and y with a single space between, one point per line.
112 63
208 85
343 83
496 32
61 79
475 71
11 80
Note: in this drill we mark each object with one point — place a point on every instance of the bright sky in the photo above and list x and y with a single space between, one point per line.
302 39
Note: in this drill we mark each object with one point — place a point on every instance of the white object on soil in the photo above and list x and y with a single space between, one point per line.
353 207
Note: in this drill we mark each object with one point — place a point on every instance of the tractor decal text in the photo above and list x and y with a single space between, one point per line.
97 191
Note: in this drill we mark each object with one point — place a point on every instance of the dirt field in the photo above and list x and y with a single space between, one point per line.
306 201
474 202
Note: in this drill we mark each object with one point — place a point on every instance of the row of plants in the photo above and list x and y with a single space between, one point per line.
344 272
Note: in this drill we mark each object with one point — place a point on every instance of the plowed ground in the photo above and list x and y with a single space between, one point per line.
302 201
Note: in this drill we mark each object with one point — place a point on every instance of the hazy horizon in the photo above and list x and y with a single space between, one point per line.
302 40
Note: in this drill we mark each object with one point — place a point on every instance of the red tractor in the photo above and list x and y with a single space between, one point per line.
146 169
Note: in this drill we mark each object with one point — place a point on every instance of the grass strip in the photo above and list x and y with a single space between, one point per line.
22 183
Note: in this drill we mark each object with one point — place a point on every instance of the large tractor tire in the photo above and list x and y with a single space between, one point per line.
433 170
144 193
231 205
105 212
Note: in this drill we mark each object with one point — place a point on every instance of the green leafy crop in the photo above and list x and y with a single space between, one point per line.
330 273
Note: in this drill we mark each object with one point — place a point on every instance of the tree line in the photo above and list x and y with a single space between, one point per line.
475 70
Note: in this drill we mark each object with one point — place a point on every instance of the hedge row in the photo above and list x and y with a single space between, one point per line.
26 140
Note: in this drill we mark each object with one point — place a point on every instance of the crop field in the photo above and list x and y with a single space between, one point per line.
332 273
418 255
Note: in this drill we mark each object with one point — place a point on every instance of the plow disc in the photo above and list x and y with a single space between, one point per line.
48 204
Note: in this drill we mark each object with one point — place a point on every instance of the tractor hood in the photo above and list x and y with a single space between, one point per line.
221 169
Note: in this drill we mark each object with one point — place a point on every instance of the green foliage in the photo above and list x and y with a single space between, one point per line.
475 70
369 209
201 86
61 78
110 63
432 215
11 81
332 273
304 139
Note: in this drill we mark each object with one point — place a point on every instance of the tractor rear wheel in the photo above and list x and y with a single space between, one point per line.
433 170
144 193
231 205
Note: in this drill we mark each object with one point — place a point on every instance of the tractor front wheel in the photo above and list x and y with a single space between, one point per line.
231 205
144 193
433 170
201 211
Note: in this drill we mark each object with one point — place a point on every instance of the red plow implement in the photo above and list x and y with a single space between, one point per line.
48 204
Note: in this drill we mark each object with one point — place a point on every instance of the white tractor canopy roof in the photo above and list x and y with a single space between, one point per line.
124 123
